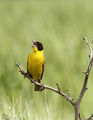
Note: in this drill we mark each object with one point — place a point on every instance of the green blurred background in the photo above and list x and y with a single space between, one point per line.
60 26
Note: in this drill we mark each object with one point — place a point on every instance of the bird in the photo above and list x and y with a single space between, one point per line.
35 64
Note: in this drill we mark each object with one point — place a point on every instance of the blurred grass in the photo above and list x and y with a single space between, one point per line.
60 26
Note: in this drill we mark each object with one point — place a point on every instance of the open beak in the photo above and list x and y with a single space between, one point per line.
34 43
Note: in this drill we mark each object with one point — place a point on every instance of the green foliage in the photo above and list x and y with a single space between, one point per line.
60 26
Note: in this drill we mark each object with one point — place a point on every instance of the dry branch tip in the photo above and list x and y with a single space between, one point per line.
58 87
68 93
86 73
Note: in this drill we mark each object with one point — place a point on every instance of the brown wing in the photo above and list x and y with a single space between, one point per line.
42 71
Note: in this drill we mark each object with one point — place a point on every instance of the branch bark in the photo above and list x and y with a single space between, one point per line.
84 87
76 104
58 90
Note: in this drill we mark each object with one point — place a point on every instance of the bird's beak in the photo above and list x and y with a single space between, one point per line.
34 43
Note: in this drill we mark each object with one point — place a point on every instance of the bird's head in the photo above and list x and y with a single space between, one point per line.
37 45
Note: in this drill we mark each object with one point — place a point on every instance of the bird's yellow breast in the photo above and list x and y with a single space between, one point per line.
35 64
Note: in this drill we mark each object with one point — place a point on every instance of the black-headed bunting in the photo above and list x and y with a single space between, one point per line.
35 63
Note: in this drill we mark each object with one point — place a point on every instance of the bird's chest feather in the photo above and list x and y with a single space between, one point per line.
35 63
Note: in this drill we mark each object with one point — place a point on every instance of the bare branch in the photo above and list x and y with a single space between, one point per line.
58 87
69 99
68 93
85 81
90 118
84 87
85 73
88 44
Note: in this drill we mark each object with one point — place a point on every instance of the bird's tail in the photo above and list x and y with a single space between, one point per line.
38 88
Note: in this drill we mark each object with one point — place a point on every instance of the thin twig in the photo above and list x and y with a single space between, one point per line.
85 73
90 48
69 99
90 118
68 93
58 87
84 87
79 116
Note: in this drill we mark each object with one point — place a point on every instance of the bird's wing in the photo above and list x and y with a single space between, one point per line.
27 67
42 71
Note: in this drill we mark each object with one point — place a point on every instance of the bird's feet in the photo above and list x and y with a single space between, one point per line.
41 88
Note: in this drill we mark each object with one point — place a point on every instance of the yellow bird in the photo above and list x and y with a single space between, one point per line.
35 63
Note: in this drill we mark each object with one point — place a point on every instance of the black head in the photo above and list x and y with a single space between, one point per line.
38 44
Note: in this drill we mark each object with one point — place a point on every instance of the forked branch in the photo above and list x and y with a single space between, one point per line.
69 99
